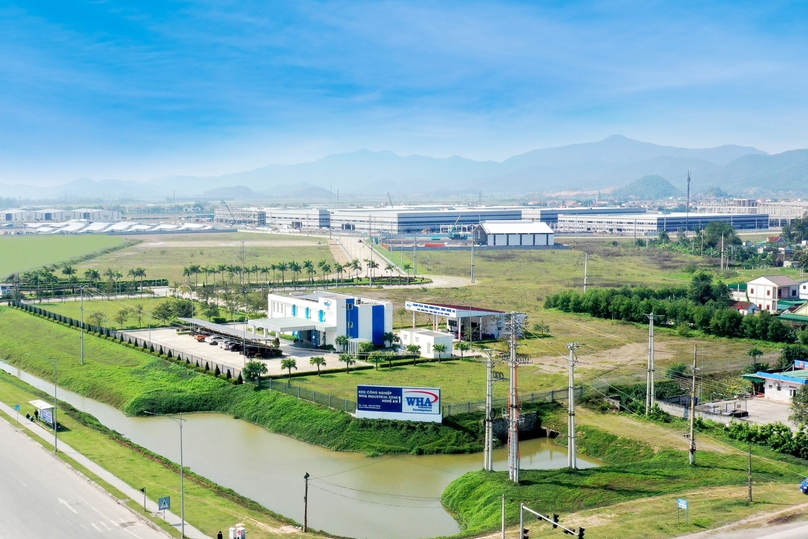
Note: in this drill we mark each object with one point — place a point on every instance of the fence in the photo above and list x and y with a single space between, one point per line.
140 342
317 397
498 403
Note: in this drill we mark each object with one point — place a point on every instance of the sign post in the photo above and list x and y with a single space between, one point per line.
399 403
164 504
681 503
17 409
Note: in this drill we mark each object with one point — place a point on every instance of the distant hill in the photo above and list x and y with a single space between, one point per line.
648 188
237 192
609 163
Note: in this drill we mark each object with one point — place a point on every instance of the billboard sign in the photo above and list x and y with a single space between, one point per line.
399 403
46 416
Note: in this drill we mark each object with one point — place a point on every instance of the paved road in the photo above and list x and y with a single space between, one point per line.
782 531
41 497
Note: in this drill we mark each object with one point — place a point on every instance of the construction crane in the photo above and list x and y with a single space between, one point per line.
390 199
229 210
454 233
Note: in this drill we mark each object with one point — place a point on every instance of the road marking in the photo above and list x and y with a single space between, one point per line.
105 525
20 480
99 530
67 505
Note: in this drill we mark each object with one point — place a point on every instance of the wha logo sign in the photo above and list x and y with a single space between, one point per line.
421 401
327 304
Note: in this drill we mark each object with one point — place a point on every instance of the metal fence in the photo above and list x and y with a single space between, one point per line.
554 395
318 397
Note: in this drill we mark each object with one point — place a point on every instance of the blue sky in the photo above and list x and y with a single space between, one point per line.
137 90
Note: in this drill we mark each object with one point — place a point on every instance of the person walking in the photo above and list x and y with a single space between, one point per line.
219 535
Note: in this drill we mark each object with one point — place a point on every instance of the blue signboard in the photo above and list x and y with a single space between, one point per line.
402 403
681 503
164 503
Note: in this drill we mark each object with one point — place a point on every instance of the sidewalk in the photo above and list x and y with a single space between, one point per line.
132 493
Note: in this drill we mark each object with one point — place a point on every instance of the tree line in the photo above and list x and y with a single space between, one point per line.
704 305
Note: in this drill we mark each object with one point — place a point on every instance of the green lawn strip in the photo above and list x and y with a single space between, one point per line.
164 256
634 472
134 381
26 252
109 307
209 507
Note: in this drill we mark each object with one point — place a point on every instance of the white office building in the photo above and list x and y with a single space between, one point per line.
320 317
426 340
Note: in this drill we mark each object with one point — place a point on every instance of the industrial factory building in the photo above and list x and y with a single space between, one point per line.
298 218
416 220
649 224
550 215
514 234
47 215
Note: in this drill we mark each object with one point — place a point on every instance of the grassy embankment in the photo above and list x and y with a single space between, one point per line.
165 256
21 253
644 475
209 507
134 381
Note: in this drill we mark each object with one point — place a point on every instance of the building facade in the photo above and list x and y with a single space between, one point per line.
650 224
514 234
766 291
418 220
549 216
240 216
427 340
321 317
298 218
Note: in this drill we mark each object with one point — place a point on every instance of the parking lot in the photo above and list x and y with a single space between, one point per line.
764 411
207 352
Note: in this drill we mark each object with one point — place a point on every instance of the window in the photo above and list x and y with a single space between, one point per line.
348 306
751 290
294 310
350 325
308 313
768 292
792 392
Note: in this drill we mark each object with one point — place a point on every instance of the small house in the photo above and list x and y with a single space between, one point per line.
427 340
765 291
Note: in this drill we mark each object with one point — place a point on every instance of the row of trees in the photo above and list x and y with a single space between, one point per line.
245 273
46 278
703 305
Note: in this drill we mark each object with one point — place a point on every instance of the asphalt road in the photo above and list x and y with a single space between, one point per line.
42 497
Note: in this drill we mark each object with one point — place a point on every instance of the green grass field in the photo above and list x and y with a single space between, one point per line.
21 253
635 470
165 256
109 307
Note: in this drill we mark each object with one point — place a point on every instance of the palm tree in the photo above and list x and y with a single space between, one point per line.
339 268
131 273
407 267
371 265
186 272
289 364
265 271
389 268
388 337
282 267
68 270
414 349
310 271
295 268
754 353
440 349
319 361
342 340
222 268
195 269
462 346
93 276
348 359
356 266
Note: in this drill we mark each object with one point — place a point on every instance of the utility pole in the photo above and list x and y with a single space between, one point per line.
693 411
586 262
82 325
414 254
514 323
306 504
571 458
650 390
687 208
503 516
492 376
722 252
473 239
749 474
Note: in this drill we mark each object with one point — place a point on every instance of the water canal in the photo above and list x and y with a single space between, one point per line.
350 494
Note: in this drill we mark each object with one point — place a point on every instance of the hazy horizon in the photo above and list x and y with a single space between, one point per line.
143 90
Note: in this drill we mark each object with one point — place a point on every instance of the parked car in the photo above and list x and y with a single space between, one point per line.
214 341
209 338
804 486
201 337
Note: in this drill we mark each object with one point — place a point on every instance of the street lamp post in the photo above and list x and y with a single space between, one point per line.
179 421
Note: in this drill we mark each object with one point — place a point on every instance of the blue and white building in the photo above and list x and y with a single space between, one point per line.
320 317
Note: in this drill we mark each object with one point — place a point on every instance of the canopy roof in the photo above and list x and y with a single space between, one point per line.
289 323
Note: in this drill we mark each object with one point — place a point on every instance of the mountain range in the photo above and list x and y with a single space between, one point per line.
604 165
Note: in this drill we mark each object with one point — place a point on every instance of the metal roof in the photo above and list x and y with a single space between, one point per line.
515 227
41 405
779 280
289 323
224 330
